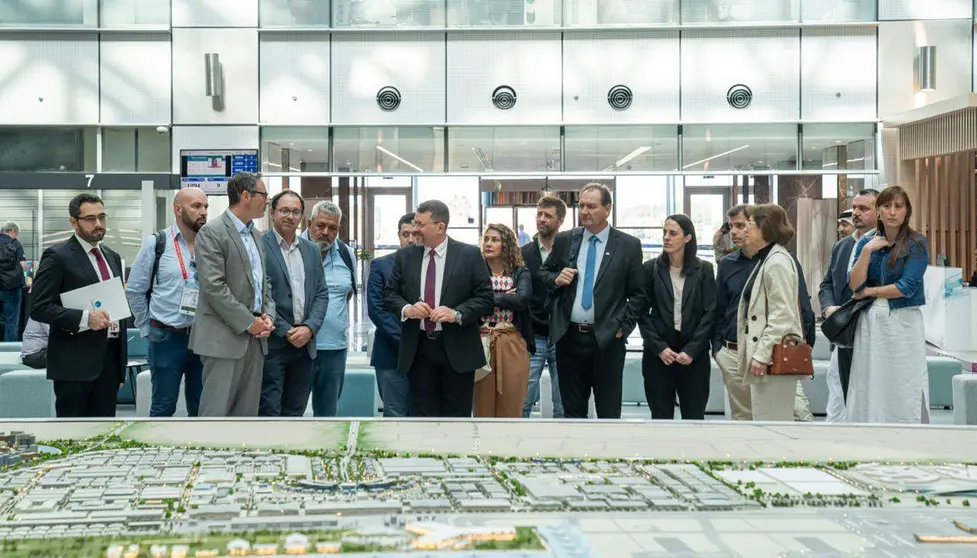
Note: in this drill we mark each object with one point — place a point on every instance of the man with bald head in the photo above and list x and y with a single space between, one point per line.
162 292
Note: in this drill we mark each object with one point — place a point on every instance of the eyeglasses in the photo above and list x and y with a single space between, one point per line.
290 212
256 192
91 219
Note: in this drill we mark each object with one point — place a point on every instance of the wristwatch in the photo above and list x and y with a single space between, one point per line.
458 317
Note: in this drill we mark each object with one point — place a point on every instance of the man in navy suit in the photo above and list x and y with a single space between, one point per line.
834 288
298 287
393 385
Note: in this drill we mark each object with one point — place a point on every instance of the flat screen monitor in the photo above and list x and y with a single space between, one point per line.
210 169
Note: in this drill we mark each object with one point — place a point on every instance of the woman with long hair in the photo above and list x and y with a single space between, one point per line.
507 331
769 311
889 381
677 328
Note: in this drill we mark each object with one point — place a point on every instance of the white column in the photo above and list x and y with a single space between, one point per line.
148 208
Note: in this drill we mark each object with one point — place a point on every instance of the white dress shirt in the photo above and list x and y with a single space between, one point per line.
440 253
296 275
83 326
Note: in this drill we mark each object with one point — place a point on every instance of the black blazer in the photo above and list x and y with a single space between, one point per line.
466 287
657 326
835 290
539 302
72 356
619 288
519 304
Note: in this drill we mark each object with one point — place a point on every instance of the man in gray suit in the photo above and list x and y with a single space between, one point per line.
232 322
298 286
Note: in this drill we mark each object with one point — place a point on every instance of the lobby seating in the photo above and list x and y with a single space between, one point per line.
138 358
359 397
10 361
941 371
10 346
965 399
26 394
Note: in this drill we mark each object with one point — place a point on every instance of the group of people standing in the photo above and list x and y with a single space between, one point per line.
883 377
256 324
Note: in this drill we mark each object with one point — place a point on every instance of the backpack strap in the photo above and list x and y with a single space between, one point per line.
576 237
348 260
160 236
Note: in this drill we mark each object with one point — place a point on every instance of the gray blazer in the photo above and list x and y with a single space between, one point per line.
227 293
316 295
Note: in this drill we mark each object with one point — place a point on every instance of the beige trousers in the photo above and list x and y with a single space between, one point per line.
739 401
502 392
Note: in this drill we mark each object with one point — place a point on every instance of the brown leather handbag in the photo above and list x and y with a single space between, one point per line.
792 357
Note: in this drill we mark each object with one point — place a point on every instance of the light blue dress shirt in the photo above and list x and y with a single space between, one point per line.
332 336
578 314
164 303
257 273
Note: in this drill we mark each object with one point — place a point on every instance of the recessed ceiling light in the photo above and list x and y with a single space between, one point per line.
310 150
291 143
837 141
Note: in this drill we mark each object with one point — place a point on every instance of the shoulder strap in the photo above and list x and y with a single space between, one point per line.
800 313
348 260
576 237
160 236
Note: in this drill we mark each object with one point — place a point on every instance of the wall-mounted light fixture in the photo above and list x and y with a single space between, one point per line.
926 68
213 78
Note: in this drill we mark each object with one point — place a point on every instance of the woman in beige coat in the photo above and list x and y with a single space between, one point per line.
768 311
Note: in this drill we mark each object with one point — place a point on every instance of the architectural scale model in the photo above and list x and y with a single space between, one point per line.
131 490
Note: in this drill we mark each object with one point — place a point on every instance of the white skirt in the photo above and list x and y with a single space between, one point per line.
836 394
889 381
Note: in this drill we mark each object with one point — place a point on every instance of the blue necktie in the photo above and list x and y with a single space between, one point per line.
588 275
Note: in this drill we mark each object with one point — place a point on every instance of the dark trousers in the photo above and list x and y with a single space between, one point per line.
170 363
328 377
663 383
286 382
844 369
10 313
586 367
436 389
94 398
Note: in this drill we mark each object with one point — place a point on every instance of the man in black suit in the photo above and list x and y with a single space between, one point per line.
86 353
596 281
440 288
834 288
550 213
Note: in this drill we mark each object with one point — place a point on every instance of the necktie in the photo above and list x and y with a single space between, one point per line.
588 275
103 269
429 283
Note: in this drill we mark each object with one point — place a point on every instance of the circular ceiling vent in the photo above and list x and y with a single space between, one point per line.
620 97
388 98
739 96
504 97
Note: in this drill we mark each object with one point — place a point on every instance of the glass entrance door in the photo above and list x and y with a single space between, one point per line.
707 208
384 207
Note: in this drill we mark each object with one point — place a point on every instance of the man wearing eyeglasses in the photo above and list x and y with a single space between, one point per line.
298 286
86 354
162 292
232 322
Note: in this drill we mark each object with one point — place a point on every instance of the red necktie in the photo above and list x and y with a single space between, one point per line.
102 268
429 283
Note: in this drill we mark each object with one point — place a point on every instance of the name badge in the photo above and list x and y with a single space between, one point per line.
113 330
188 302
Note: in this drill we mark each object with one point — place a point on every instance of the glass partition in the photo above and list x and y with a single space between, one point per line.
135 150
746 147
504 149
621 148
501 13
389 149
26 149
289 13
391 13
130 13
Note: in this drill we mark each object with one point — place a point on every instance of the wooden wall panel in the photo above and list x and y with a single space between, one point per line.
945 208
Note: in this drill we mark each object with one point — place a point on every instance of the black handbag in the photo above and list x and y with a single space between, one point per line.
840 327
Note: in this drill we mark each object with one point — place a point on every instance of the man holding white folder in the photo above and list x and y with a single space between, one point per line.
86 350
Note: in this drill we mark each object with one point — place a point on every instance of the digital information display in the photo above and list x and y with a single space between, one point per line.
210 170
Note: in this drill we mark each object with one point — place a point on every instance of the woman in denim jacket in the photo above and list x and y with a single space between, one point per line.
889 382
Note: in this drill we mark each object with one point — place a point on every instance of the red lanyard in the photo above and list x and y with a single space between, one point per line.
179 256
